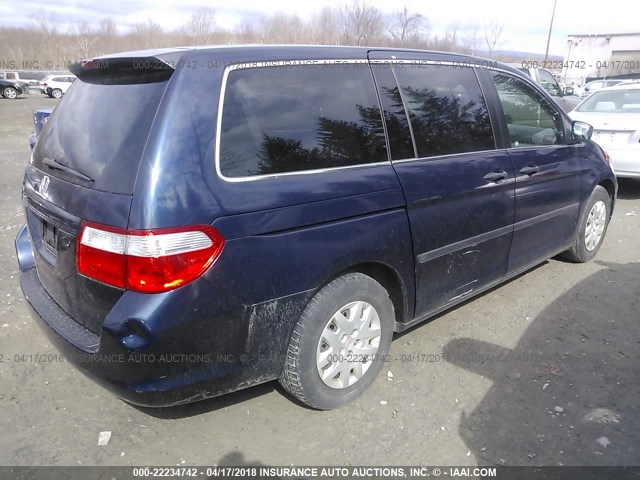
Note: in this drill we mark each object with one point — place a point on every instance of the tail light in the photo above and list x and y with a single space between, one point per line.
149 261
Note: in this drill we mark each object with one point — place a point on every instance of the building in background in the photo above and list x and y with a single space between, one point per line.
592 57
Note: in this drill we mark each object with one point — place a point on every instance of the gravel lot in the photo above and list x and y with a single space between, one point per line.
565 392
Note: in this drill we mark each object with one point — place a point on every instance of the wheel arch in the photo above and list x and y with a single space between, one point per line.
610 187
390 280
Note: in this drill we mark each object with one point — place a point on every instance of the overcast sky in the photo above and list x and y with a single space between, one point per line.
526 22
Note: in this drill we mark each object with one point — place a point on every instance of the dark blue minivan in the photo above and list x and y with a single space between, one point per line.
200 220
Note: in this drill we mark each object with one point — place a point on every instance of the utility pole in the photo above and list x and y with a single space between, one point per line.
553 14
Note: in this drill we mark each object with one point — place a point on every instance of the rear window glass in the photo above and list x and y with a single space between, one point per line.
288 119
100 131
619 101
447 111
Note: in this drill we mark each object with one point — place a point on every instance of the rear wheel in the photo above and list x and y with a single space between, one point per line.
339 345
56 93
10 93
592 228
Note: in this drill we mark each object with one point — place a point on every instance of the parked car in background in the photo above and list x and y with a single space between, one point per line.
9 76
16 77
12 89
614 113
191 232
629 82
578 91
40 118
596 85
565 97
57 85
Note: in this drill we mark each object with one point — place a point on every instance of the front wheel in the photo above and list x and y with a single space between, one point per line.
592 228
56 93
10 93
340 343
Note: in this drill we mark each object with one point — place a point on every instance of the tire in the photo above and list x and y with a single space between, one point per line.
10 93
332 318
592 228
56 93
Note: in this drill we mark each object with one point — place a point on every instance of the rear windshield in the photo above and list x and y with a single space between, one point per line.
618 101
100 132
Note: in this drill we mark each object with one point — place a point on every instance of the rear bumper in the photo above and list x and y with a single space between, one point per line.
143 378
626 163
159 350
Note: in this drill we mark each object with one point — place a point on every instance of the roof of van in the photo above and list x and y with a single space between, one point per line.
171 56
282 47
286 48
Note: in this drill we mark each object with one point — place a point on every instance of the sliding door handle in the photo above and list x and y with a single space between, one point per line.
529 170
496 176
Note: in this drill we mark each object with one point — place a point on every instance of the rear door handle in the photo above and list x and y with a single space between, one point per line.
496 176
530 170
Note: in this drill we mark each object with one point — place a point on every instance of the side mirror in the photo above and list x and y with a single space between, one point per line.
581 131
568 91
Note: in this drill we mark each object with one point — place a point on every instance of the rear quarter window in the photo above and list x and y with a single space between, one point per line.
289 119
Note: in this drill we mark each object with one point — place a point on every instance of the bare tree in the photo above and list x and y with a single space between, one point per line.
148 35
49 44
48 37
107 27
492 32
405 24
449 42
201 27
471 38
45 24
107 37
282 28
85 38
324 27
247 33
360 23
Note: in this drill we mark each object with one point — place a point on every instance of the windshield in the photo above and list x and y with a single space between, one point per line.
612 101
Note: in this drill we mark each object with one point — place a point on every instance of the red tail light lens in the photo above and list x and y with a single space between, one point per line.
149 261
100 253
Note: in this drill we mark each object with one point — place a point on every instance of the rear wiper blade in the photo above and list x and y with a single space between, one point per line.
58 166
